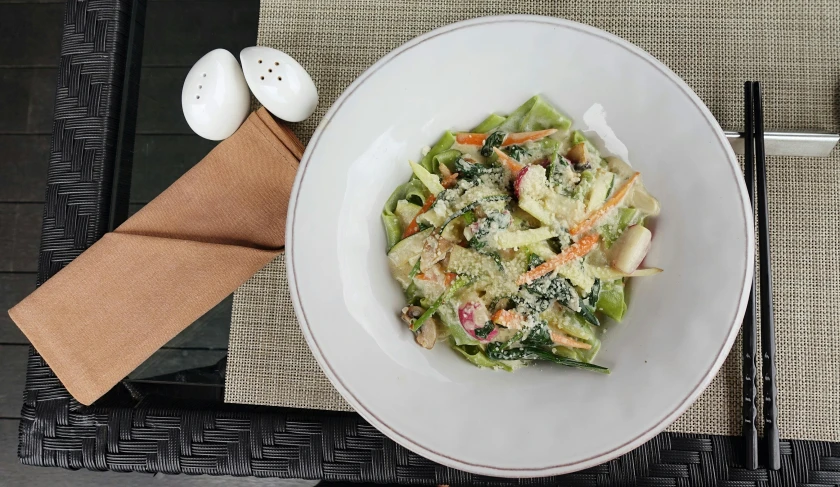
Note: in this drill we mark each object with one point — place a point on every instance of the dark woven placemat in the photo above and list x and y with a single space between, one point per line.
129 430
342 447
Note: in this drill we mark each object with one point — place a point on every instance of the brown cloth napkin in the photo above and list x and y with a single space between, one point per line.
140 285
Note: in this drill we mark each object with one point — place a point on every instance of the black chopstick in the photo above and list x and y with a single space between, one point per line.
748 326
768 334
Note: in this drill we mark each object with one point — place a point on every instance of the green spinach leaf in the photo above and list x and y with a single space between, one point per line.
516 152
538 336
492 141
485 330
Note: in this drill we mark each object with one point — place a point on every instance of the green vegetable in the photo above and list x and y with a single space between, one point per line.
537 354
555 245
444 143
516 152
469 217
496 351
626 218
600 191
538 336
413 192
548 146
429 180
406 212
592 297
472 206
477 357
485 330
550 288
447 158
588 314
535 114
611 300
556 168
468 170
401 256
569 353
494 219
413 294
576 327
589 355
578 137
492 141
448 315
393 232
534 260
479 246
488 124
543 116
593 155
414 270
587 179
459 283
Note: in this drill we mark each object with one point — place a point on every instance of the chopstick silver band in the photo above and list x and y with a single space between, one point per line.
789 143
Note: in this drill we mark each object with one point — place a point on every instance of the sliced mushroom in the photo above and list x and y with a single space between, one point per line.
577 154
435 249
411 313
426 336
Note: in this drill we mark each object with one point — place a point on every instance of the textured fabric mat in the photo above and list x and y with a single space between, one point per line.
793 48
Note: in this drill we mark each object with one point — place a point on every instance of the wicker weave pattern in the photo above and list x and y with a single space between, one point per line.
87 110
121 434
341 446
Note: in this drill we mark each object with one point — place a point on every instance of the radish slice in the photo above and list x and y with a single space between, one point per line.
518 180
630 249
473 315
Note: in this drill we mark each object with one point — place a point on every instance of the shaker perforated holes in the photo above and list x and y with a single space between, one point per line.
214 106
282 85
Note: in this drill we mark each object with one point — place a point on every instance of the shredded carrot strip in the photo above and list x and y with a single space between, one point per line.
522 137
413 227
512 164
449 277
567 341
470 139
465 138
507 318
611 203
576 250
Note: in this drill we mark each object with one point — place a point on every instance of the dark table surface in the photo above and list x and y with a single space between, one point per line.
176 35
165 148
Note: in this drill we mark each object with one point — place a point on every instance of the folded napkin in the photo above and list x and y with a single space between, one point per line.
140 285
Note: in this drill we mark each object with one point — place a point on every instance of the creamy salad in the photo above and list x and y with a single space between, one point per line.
514 241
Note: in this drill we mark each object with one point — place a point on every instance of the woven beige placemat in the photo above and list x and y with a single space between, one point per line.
794 49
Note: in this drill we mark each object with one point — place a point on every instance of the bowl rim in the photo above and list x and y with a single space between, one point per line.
559 468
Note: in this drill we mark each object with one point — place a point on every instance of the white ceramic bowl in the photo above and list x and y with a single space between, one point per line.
544 419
